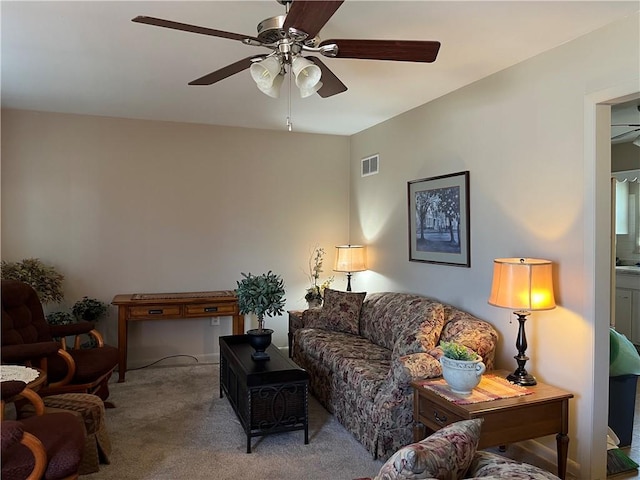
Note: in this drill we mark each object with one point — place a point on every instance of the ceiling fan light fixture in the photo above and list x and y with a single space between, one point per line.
307 74
307 92
274 89
265 72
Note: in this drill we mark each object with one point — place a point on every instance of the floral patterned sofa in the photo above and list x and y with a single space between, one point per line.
363 353
450 454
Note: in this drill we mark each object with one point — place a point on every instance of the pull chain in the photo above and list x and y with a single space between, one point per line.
289 124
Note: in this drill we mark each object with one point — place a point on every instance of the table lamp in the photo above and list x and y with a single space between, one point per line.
349 259
525 285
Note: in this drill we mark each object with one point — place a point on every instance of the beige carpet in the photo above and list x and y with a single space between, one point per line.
170 423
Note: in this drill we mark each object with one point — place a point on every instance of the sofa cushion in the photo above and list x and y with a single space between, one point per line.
331 348
402 322
420 331
445 455
340 312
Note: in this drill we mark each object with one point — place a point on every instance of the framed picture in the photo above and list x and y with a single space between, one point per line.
439 220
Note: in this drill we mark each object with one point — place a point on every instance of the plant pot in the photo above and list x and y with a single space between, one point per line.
260 339
462 376
314 303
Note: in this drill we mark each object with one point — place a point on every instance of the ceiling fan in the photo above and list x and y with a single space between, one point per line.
293 35
635 128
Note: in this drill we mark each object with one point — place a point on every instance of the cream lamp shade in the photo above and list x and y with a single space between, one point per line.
350 258
522 284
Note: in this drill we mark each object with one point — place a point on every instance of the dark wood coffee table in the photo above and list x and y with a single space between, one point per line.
269 396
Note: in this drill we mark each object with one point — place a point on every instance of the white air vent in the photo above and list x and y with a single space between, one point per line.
370 165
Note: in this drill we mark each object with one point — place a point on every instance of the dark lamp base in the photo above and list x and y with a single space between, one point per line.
523 379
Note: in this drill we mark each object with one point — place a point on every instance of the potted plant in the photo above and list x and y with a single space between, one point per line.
59 318
262 295
462 368
315 293
89 309
44 279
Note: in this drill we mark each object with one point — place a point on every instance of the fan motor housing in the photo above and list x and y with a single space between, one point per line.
270 31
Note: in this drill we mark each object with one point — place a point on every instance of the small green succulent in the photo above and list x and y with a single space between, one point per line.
456 351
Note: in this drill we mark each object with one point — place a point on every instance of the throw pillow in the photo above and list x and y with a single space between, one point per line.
445 455
340 312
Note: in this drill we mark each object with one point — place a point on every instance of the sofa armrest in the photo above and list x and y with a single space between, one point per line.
404 370
311 315
487 464
474 333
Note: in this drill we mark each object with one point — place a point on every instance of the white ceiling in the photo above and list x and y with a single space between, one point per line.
87 57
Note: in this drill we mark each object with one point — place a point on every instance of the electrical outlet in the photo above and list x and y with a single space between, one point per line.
215 321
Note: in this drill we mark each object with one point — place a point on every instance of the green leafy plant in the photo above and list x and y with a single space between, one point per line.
261 295
456 351
60 318
44 279
89 309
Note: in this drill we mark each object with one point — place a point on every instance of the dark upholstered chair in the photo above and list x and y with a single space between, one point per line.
45 446
27 339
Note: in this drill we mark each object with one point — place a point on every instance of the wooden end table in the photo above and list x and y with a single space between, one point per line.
543 412
33 386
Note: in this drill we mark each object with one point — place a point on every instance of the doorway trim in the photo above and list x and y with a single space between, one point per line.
597 255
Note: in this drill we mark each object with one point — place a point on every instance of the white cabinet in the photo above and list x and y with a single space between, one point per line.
623 311
628 306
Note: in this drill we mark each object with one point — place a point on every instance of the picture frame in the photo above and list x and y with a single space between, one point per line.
439 225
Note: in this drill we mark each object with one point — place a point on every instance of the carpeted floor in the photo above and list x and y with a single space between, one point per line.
170 423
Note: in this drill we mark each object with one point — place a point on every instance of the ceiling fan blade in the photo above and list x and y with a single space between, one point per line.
331 85
615 137
395 50
310 16
159 22
227 71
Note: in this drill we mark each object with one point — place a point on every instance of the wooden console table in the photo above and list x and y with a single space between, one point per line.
172 306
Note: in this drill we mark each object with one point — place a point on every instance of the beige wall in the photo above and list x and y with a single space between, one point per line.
124 206
525 136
